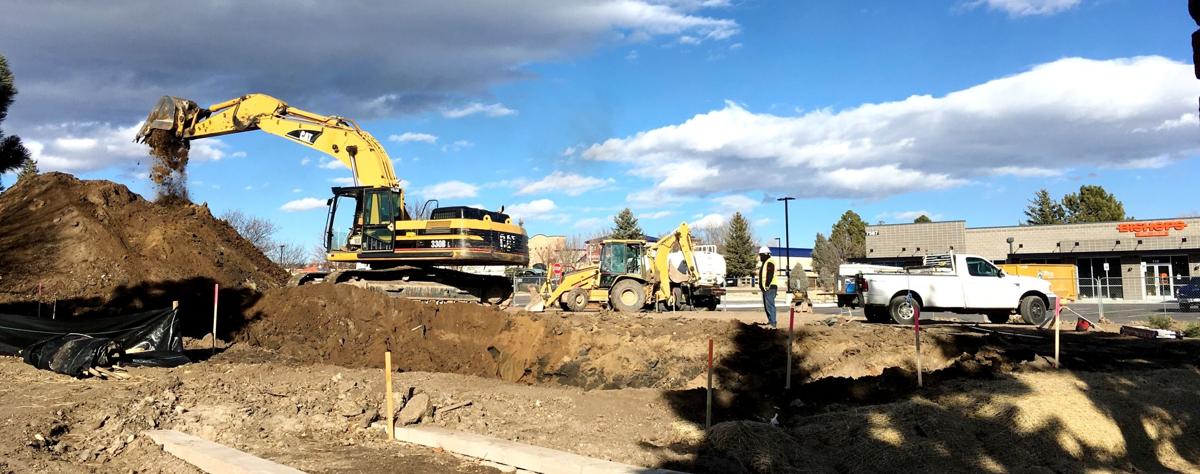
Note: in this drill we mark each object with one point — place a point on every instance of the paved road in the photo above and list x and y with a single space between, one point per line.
1123 313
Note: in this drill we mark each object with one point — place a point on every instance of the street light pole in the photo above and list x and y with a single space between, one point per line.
778 242
281 255
787 240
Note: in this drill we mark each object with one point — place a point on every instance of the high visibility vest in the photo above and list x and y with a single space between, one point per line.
767 278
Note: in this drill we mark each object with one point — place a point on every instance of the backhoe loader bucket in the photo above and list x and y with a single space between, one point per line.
172 114
537 303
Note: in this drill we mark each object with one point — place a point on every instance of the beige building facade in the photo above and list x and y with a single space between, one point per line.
1133 260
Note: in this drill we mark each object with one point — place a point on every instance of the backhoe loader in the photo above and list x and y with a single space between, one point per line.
632 275
403 255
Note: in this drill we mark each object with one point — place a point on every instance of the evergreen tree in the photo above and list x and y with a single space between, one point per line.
922 219
626 226
28 169
1043 210
740 253
825 261
1093 204
12 153
849 235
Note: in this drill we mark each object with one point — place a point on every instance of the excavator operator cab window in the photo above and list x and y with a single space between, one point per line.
379 210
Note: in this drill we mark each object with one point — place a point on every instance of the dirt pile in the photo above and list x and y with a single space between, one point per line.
169 172
90 243
348 326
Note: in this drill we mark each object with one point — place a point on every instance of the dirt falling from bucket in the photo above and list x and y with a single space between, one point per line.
169 171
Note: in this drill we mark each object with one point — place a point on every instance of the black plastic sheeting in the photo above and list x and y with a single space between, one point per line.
71 346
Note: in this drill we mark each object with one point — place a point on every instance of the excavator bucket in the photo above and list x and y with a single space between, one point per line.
172 114
537 303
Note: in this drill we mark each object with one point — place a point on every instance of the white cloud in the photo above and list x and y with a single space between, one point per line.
1017 8
295 190
331 164
238 154
90 146
762 222
710 220
736 203
305 161
489 110
414 66
1027 172
413 137
303 204
450 190
631 56
457 145
907 216
569 151
655 215
342 181
539 209
1056 116
570 184
590 223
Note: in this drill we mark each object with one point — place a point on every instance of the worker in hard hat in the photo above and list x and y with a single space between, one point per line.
766 282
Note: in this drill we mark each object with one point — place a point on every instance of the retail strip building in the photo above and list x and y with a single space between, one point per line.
1132 260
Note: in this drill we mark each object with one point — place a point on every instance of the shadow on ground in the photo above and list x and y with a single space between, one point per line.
1126 405
195 297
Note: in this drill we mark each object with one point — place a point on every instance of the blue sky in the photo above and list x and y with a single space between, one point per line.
685 110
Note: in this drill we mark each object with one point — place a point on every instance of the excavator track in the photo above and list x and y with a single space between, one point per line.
430 284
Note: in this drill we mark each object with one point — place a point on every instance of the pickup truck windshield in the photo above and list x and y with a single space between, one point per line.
981 268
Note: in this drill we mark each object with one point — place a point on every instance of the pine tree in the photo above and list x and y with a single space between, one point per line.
626 226
825 261
1093 204
922 219
29 169
1043 210
849 235
12 153
739 248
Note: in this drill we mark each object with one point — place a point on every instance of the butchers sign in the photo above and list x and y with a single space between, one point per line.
1151 229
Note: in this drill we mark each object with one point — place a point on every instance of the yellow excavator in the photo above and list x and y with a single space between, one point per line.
632 275
402 255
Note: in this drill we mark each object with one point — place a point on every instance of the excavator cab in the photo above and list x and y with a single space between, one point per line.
370 225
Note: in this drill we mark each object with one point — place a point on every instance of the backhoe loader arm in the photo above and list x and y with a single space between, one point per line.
336 136
682 235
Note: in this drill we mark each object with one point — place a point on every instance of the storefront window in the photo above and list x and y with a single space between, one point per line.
1095 282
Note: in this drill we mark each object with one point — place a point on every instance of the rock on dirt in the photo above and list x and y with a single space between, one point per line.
90 243
415 410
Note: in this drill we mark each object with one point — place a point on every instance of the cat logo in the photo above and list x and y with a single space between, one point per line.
306 136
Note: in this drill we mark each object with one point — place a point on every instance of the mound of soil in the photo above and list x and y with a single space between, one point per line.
92 242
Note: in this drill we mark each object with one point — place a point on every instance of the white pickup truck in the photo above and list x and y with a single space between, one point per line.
952 283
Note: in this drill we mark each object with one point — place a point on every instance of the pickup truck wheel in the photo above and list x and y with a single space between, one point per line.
575 300
876 314
999 317
1033 310
902 309
627 296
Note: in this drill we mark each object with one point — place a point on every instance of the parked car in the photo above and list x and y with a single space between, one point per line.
953 283
1189 295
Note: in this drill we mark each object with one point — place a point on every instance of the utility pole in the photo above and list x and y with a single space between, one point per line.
787 237
281 255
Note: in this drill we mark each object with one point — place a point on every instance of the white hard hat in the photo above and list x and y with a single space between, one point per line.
764 249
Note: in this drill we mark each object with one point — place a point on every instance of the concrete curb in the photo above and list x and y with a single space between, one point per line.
212 457
511 453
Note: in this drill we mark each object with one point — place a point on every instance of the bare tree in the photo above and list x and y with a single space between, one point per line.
713 235
290 255
254 229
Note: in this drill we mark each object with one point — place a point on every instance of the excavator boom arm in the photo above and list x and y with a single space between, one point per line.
335 136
